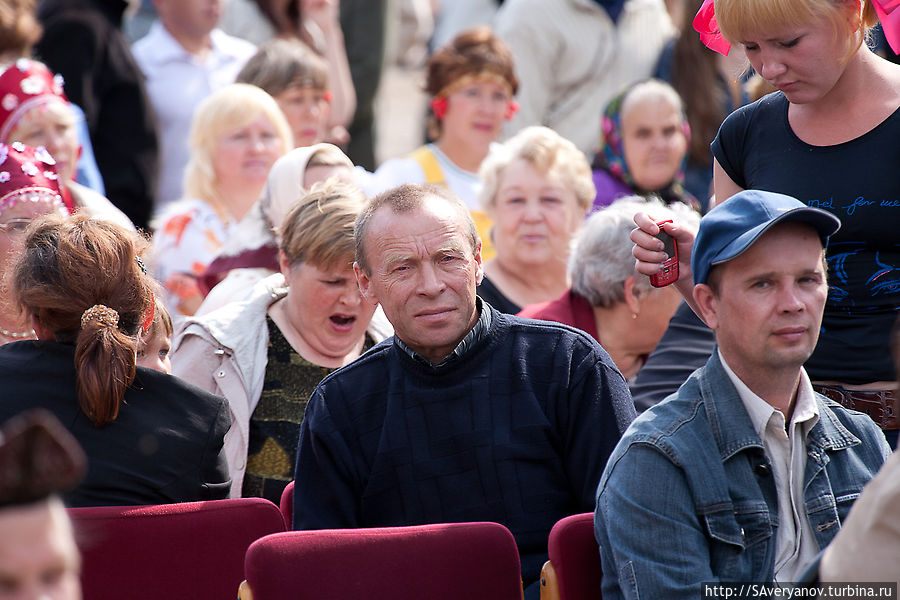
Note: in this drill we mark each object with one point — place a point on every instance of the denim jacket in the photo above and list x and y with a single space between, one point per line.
688 495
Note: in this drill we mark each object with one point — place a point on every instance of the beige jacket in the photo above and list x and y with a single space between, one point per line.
224 352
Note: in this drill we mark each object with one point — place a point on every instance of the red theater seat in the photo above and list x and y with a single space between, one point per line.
573 571
438 562
287 505
186 550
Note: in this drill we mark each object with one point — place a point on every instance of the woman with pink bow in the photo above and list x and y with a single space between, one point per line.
827 136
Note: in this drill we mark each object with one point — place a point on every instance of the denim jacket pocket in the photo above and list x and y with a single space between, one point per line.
844 502
828 512
740 545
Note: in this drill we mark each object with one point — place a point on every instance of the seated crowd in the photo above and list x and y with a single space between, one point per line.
478 330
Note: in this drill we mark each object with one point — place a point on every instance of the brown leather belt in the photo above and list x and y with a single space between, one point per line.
882 405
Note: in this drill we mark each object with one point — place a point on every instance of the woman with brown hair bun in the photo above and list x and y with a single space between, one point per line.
149 438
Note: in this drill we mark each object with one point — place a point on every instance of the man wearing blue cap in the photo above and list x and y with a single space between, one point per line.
745 473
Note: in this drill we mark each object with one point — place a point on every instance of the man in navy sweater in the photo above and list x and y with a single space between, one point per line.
466 414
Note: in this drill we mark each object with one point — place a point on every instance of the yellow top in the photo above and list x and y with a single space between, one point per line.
433 174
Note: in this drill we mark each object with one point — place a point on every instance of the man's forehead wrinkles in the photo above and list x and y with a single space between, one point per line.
438 237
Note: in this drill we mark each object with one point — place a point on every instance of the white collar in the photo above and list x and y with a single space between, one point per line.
806 410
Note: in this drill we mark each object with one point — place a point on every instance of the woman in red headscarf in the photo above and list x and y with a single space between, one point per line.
34 111
29 188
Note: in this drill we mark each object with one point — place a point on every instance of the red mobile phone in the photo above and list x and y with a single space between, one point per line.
668 271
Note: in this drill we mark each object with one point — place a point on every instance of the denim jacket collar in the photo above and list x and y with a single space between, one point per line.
733 429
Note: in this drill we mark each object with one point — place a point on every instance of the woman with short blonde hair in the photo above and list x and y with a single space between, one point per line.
251 254
293 329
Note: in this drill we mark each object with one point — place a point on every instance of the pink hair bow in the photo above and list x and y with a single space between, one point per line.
889 16
705 24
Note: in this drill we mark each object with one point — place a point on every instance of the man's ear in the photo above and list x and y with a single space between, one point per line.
365 284
479 265
707 304
631 299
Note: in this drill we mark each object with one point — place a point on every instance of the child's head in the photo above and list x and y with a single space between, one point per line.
297 78
153 349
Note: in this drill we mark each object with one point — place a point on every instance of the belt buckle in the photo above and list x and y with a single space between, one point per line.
871 403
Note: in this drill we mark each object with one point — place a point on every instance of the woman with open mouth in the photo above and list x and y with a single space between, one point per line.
266 354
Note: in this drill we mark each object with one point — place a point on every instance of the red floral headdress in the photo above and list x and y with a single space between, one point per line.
26 174
24 85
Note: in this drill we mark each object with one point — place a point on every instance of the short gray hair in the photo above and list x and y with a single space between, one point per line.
403 199
601 259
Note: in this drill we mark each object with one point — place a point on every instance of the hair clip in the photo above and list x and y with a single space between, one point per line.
103 314
149 315
439 107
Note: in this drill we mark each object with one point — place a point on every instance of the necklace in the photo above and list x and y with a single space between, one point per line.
15 335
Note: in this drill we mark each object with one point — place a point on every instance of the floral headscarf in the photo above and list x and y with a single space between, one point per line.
611 155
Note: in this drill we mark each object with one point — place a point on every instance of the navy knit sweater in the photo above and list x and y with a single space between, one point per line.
516 431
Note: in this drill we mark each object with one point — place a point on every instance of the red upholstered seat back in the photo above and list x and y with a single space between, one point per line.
287 505
575 555
438 562
186 550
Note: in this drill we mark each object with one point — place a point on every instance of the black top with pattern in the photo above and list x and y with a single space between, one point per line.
275 424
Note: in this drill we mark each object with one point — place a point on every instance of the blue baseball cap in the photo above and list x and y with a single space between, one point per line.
730 228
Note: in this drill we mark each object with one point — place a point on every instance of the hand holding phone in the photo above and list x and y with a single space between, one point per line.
668 271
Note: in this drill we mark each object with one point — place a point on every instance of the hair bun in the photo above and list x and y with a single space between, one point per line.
99 312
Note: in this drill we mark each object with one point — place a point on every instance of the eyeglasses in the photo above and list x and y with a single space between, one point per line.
15 226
